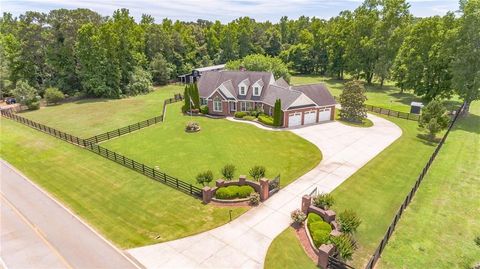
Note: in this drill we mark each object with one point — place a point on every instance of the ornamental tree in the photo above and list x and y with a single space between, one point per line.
228 171
205 178
257 172
53 95
434 118
353 100
277 113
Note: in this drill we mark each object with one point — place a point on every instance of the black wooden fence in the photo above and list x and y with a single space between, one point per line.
373 260
111 155
136 126
393 113
334 263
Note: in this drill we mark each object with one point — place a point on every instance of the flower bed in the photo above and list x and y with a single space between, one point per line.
192 127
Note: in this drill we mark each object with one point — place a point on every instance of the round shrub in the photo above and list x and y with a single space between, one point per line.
312 217
204 109
250 118
320 226
53 95
320 237
240 114
265 119
233 192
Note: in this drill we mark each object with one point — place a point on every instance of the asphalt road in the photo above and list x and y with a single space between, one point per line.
38 232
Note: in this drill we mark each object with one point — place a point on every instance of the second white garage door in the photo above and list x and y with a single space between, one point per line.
310 117
324 114
294 119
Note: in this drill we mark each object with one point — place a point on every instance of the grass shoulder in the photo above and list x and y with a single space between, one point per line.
364 124
287 252
131 210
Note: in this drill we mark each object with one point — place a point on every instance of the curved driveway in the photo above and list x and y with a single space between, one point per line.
243 243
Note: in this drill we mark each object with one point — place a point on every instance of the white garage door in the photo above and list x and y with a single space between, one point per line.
310 117
325 114
294 119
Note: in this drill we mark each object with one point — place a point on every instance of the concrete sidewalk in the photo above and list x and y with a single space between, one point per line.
243 243
38 232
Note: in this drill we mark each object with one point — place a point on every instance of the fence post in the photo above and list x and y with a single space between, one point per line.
96 139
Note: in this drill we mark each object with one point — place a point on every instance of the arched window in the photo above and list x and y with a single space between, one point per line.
217 104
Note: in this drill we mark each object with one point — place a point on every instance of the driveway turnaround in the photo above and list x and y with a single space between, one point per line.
38 232
243 243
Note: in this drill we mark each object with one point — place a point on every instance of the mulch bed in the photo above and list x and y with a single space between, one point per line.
303 238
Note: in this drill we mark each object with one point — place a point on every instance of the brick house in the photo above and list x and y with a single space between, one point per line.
227 92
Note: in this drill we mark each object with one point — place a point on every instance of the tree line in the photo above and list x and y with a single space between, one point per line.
81 51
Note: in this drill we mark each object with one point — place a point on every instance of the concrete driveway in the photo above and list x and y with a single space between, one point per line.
38 232
243 243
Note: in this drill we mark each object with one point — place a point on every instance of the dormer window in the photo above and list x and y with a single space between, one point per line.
243 90
256 91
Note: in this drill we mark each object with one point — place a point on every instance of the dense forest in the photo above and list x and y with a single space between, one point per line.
80 51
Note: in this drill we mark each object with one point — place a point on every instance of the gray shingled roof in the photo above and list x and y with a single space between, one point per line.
210 81
282 83
319 93
279 89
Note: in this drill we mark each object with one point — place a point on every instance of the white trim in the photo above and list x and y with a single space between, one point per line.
213 104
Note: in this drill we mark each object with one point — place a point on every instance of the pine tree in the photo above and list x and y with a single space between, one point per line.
195 96
186 97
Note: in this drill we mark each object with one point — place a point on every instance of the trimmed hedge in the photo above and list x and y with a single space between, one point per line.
265 119
319 229
233 192
250 118
240 114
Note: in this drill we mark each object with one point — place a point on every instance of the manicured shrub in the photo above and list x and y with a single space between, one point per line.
323 200
345 245
320 237
240 114
265 119
348 221
233 192
298 216
319 229
228 171
254 199
204 109
312 217
257 172
53 95
250 118
205 177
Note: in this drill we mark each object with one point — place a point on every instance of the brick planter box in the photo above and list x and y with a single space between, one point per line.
328 216
261 187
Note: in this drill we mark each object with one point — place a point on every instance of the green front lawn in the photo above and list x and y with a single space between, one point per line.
287 252
439 226
89 117
129 209
387 96
219 142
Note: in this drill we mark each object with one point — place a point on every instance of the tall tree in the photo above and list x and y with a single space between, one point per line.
466 64
423 62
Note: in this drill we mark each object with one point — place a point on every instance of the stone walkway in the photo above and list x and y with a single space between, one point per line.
243 243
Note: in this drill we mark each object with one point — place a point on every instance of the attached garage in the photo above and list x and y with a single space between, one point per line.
324 114
310 117
294 119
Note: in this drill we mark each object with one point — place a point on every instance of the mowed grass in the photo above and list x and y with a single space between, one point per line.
376 191
89 117
387 96
438 228
287 252
129 209
220 142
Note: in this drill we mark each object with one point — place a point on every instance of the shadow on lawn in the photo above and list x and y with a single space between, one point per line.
469 123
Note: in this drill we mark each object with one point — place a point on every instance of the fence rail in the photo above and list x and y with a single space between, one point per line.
378 252
111 155
334 263
393 113
136 126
